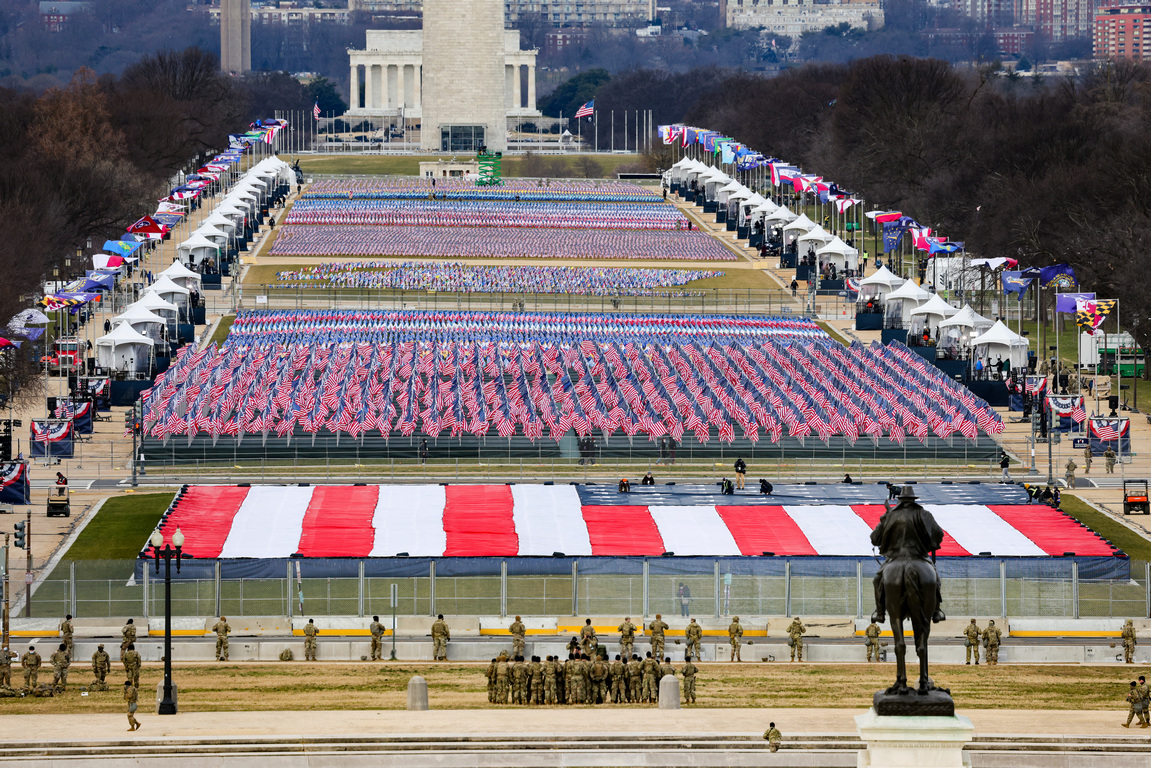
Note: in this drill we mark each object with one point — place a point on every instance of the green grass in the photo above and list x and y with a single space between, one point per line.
120 527
409 165
223 328
834 333
1136 547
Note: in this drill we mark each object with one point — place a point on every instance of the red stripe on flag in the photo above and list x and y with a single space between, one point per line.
478 521
622 531
1051 530
204 515
870 513
338 522
765 529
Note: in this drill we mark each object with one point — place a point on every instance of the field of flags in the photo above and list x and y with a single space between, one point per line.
523 190
456 277
285 374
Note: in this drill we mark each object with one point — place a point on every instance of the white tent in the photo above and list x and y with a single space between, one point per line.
878 284
222 223
143 321
169 291
217 236
781 215
800 225
837 252
1001 342
968 319
933 311
196 249
811 241
153 303
124 349
903 299
181 275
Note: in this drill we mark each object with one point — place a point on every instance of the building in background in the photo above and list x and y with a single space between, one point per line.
288 12
1120 32
1057 20
794 17
235 35
611 13
54 15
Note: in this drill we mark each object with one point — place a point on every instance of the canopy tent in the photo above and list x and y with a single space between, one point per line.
781 215
167 290
810 241
124 349
221 222
1001 342
903 299
153 303
837 252
878 284
196 249
967 318
932 312
217 236
182 276
143 321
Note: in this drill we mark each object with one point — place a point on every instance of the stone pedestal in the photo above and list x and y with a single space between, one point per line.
669 692
417 694
913 742
160 695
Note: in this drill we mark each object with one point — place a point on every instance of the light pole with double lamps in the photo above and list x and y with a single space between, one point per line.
168 703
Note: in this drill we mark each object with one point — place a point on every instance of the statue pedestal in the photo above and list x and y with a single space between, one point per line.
913 742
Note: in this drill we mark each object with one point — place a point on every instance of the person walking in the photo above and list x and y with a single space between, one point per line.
991 638
872 635
131 697
973 633
132 663
31 662
1109 458
657 629
794 287
1135 707
1069 473
310 644
222 629
626 637
1129 641
735 637
440 637
1004 463
1087 459
127 635
795 632
424 451
101 664
377 630
694 633
740 471
684 595
773 737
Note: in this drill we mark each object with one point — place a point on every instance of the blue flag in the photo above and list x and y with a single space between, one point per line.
1058 275
1014 282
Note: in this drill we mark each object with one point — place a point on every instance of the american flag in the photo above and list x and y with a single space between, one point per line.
316 110
1107 429
586 110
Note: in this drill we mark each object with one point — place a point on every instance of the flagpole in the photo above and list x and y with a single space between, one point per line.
595 129
613 130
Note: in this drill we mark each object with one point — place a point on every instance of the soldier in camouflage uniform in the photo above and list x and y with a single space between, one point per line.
537 681
973 634
131 696
132 661
549 672
689 673
31 662
735 637
1069 473
872 634
589 686
490 674
991 638
570 679
773 737
310 644
657 628
558 668
101 663
665 669
502 674
6 657
518 680
626 638
518 631
588 639
1109 458
650 668
221 629
598 676
618 681
440 637
60 663
1129 641
795 632
66 634
377 630
1135 708
694 634
128 635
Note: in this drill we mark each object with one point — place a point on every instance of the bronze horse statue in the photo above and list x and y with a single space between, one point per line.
907 584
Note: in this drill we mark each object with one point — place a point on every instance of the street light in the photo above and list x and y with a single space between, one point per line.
168 704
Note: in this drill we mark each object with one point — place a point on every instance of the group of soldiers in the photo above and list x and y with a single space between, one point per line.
1139 701
1109 458
583 679
991 637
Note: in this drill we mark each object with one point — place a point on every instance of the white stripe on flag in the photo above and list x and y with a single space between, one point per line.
549 518
978 529
410 518
833 529
269 523
693 531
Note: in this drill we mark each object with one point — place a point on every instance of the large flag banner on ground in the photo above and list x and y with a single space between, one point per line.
52 437
1110 433
15 487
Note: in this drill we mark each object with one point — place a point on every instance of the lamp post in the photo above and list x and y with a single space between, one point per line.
168 704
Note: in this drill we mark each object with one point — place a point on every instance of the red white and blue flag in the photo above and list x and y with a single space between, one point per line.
586 110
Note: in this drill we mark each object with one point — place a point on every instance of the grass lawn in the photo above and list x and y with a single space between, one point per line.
118 529
834 334
409 165
1136 547
224 326
382 685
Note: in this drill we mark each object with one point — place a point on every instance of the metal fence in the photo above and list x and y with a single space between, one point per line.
641 588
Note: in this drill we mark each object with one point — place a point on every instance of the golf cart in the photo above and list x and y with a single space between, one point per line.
59 501
1135 497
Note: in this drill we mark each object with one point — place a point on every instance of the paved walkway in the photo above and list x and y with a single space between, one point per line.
551 720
